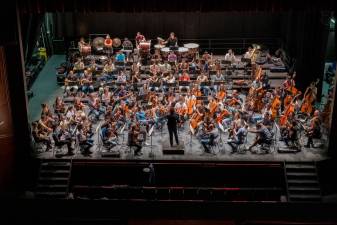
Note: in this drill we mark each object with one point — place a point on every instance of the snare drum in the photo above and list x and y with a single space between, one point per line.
165 51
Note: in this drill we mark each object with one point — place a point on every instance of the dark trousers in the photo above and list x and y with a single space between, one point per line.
173 131
138 148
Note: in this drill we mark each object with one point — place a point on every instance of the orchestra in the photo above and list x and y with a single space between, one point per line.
192 94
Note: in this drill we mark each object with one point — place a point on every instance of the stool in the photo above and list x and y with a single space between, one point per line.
43 54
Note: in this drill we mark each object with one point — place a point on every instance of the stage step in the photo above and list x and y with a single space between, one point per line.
54 179
302 182
174 150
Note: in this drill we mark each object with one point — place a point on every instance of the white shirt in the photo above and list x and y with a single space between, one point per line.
230 57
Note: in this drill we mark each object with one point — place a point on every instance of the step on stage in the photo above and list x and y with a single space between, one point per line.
174 150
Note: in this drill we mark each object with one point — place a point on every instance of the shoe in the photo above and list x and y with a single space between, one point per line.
147 144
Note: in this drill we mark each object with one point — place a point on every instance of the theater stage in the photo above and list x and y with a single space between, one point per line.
45 90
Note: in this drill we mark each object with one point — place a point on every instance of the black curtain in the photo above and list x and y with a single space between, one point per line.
306 35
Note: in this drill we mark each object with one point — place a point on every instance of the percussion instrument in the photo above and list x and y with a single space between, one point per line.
98 43
182 51
160 41
193 48
85 50
145 46
165 51
108 43
159 46
116 42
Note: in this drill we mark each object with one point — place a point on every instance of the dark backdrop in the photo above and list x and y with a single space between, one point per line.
187 25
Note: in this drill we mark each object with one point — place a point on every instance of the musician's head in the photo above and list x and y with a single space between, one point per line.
316 113
230 51
107 36
259 125
172 35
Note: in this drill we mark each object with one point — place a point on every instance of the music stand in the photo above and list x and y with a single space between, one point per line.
98 132
151 154
192 133
221 130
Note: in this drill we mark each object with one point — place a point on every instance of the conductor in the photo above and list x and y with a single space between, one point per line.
172 120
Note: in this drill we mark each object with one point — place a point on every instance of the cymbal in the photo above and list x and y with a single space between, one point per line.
116 42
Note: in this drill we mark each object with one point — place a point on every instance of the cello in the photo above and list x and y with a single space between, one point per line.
309 98
289 110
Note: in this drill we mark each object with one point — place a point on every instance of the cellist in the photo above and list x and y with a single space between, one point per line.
309 98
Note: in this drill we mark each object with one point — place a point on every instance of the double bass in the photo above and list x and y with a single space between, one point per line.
289 110
309 98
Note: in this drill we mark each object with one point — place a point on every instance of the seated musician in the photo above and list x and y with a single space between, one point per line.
71 84
62 136
81 43
265 81
106 96
78 105
291 135
95 106
207 136
154 68
172 41
230 56
239 136
92 66
127 44
59 107
78 67
267 121
206 56
249 53
139 38
264 137
314 130
136 78
201 79
70 112
183 66
181 108
217 78
170 79
108 70
184 77
121 77
86 82
166 68
133 141
40 136
84 141
172 58
120 57
154 79
46 111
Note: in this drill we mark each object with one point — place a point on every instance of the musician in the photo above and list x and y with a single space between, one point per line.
172 120
59 107
154 68
40 136
127 44
206 56
172 58
207 136
263 135
84 141
120 57
314 130
201 79
172 41
108 69
86 82
133 141
239 136
121 77
230 56
267 121
249 53
217 78
291 134
81 44
62 136
139 38
78 66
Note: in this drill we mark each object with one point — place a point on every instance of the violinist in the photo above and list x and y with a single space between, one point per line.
314 130
71 83
59 107
84 141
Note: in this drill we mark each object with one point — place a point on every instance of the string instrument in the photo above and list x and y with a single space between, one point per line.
190 105
222 115
275 106
196 119
233 102
308 100
289 110
258 72
68 82
213 105
221 95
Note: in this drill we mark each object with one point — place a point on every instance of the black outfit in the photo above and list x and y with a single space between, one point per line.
172 120
133 143
172 42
